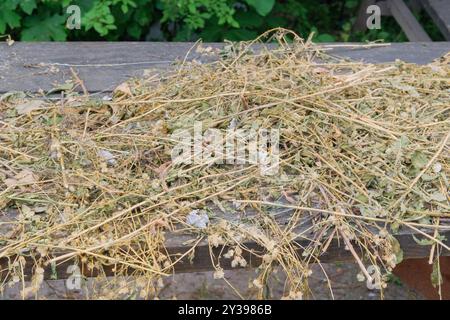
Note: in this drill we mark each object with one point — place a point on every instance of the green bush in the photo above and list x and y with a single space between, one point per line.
188 20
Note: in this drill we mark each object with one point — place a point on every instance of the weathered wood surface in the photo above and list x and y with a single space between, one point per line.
202 260
102 66
29 67
179 243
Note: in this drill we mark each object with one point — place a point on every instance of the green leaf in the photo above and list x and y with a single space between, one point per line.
249 19
397 250
392 278
399 144
44 28
274 21
100 18
263 7
142 17
427 177
212 33
134 31
423 242
240 35
54 273
325 37
8 16
347 27
436 276
28 6
351 4
438 196
395 226
362 198
419 160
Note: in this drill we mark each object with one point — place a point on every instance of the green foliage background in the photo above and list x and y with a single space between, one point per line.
188 20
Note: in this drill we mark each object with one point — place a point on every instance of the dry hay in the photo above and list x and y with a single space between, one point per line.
364 153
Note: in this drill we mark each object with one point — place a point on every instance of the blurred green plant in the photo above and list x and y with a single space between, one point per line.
188 20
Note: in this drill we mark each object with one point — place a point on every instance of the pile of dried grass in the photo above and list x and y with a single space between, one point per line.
363 152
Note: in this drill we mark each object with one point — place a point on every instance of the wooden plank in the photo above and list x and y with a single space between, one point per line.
34 66
415 5
179 243
102 66
439 10
407 21
412 52
202 258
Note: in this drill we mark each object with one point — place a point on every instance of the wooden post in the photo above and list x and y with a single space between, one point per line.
439 10
407 21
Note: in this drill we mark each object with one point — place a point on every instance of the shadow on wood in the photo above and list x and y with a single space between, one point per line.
416 273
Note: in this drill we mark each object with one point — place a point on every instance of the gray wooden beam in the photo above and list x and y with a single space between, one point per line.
102 66
407 21
202 258
439 10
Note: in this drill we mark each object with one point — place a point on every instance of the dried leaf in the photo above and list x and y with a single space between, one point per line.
29 106
25 177
123 88
219 274
419 160
197 219
438 196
